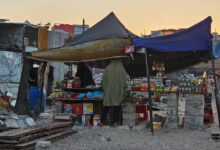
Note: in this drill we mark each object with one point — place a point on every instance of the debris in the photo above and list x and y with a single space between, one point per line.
28 137
215 135
43 145
108 139
14 121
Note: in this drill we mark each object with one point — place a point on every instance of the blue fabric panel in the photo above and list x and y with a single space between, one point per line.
195 38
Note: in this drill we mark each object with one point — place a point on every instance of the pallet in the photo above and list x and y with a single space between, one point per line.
27 138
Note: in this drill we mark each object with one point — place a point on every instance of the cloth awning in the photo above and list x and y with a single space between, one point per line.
107 39
195 38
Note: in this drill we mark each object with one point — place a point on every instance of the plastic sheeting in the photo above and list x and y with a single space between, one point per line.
56 39
11 66
195 38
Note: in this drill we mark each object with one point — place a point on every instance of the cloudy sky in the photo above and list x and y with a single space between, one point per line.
140 16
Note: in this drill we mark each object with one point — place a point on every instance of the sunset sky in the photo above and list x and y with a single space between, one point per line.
137 15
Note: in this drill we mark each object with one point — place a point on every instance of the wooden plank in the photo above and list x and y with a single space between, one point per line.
32 136
31 144
48 138
23 132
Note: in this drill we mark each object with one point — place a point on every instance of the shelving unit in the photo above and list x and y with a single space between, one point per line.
77 105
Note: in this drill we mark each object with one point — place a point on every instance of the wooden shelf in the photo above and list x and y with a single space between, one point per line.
137 91
82 89
75 99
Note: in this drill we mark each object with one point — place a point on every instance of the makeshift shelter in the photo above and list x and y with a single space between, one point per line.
13 37
179 50
185 48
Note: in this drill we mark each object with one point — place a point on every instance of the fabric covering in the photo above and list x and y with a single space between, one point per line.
114 83
197 37
106 39
108 27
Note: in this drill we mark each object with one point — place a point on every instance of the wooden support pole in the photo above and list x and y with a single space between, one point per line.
216 88
149 90
21 106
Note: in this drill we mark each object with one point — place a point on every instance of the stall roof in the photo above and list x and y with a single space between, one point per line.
107 39
12 35
108 27
195 38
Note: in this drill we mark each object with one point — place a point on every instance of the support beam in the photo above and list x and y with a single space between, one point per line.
216 92
149 91
21 106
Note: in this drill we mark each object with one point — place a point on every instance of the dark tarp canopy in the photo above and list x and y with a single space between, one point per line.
108 27
176 51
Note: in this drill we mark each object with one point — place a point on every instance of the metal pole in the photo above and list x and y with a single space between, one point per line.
149 91
216 88
83 25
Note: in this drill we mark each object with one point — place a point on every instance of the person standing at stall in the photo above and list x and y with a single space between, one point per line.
114 84
84 74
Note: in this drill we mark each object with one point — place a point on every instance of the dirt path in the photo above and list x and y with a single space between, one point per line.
123 139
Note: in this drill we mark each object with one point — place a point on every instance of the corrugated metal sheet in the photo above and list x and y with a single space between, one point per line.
57 39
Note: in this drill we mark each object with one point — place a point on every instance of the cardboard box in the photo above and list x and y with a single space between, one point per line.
77 109
87 108
67 108
85 120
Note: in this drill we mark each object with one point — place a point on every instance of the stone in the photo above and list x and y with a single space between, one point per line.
43 145
108 139
139 127
123 128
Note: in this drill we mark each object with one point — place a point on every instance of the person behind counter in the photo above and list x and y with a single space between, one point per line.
114 84
84 74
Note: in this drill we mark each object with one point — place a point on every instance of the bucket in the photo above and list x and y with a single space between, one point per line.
33 98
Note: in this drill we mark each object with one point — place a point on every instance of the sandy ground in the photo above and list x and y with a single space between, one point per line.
107 138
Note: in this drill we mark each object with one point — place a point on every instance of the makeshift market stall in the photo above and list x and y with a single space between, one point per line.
105 40
109 38
178 50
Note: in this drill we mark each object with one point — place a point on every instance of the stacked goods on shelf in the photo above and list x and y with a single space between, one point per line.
129 115
190 84
194 111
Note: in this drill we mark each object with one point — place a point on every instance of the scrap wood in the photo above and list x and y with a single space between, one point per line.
32 136
17 133
31 144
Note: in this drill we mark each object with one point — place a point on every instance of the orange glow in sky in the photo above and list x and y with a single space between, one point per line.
139 16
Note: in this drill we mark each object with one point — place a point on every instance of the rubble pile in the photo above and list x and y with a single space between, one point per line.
10 120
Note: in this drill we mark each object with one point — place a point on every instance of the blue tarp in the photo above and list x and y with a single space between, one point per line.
195 38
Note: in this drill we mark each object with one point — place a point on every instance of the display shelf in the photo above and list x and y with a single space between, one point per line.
137 91
82 89
75 99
